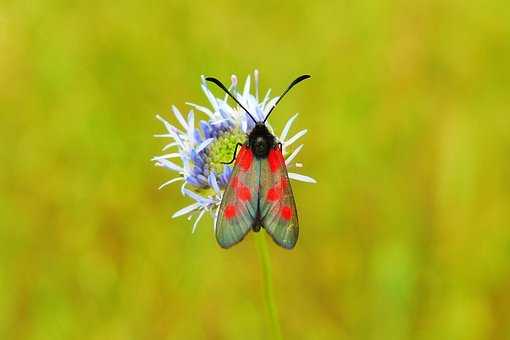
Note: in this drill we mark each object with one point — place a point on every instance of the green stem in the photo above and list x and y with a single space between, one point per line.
268 285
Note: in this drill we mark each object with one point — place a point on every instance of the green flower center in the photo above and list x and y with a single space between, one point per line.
222 149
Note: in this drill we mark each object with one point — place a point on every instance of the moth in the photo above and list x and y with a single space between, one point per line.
258 193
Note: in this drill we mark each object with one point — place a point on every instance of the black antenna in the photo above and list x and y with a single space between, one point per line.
295 82
221 86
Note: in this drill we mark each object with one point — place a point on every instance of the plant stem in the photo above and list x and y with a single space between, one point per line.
268 285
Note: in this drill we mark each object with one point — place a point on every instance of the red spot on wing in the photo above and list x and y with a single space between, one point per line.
230 211
286 213
273 194
277 190
243 193
275 159
245 158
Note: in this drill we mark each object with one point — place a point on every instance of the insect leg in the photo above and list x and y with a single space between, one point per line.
234 155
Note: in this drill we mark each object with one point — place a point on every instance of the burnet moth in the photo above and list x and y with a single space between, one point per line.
258 193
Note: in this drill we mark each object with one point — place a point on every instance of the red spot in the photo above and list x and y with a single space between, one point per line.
275 159
286 213
244 193
273 194
234 182
230 211
245 158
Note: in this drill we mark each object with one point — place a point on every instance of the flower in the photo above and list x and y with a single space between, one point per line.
201 147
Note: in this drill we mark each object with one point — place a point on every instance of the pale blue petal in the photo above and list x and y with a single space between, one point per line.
165 122
176 136
199 217
205 144
170 165
169 145
270 105
173 180
286 128
191 125
186 210
256 77
301 178
210 96
266 98
179 117
213 183
270 128
247 83
200 199
293 155
203 180
296 137
167 156
193 181
202 109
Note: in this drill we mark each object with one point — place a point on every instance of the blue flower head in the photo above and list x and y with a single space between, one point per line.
199 148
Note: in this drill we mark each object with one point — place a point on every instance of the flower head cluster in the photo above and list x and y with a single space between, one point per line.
196 150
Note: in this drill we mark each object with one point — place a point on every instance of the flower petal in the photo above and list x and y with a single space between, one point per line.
168 126
173 180
213 183
244 126
169 155
179 117
301 178
200 199
202 109
169 145
293 155
191 120
169 165
173 133
186 210
295 137
209 95
199 217
205 144
286 128
266 98
256 77
193 181
269 106
247 83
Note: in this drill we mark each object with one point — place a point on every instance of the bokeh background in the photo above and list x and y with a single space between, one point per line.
405 236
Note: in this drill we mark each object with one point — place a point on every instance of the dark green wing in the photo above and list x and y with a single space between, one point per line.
238 208
276 202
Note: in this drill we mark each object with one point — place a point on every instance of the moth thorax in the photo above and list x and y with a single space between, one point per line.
261 147
261 141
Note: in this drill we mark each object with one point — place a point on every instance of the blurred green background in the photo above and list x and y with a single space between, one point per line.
405 236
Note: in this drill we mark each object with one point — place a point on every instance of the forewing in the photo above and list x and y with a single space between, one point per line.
278 212
238 208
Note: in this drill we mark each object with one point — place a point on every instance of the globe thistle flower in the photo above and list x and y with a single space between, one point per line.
196 149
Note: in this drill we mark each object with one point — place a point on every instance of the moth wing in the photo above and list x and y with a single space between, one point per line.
238 208
278 212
